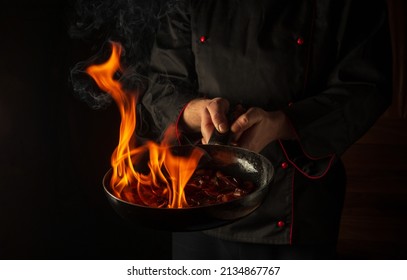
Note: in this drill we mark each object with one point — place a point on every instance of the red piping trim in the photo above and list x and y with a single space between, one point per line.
311 157
177 132
302 148
292 208
300 170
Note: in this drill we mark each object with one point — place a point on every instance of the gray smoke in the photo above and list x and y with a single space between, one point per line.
133 23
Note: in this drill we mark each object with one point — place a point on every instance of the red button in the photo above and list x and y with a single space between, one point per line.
284 165
280 224
300 41
202 39
290 104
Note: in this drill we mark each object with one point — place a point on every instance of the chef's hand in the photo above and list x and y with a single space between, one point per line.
205 115
256 128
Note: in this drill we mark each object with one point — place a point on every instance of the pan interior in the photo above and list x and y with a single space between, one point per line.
236 162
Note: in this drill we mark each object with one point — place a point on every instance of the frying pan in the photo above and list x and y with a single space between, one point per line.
237 162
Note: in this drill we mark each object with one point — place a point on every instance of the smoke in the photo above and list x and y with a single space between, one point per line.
84 88
133 23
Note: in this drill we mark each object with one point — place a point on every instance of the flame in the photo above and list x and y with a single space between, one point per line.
163 184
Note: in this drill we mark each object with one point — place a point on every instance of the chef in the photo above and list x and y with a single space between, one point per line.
308 79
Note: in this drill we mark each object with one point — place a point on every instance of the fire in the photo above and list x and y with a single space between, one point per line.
168 173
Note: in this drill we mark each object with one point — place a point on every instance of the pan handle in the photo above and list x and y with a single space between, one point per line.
218 138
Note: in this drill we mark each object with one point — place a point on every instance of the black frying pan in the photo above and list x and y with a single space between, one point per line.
233 161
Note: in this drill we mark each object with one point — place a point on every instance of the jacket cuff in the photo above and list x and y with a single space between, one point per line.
183 137
312 167
179 126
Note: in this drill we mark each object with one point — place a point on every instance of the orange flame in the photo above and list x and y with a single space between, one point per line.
163 185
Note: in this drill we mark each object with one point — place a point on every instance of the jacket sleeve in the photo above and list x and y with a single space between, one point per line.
172 77
356 94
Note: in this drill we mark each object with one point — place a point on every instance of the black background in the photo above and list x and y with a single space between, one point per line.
55 149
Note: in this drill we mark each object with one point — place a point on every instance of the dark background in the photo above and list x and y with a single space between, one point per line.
55 151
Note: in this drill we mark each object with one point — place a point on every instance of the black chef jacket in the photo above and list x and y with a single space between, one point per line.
325 63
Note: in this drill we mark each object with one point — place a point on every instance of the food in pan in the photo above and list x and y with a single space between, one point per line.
205 187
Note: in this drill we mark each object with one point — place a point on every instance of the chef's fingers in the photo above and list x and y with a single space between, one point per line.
245 121
207 126
218 108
